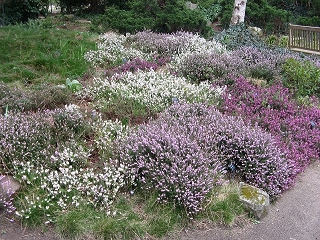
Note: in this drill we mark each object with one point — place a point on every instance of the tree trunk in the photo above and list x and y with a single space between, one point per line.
239 12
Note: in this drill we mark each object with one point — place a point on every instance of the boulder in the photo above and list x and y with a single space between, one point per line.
255 200
190 5
256 31
8 186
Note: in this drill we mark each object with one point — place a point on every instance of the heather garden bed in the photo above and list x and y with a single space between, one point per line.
155 133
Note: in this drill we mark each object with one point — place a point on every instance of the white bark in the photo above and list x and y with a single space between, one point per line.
239 12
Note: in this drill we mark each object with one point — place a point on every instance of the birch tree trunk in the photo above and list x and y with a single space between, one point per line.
239 12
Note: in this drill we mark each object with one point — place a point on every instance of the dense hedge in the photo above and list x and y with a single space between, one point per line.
15 11
167 18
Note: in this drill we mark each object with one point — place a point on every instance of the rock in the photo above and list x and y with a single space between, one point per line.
254 200
256 31
83 21
68 17
8 186
190 5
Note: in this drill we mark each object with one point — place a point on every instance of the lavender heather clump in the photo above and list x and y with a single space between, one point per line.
179 154
23 137
171 44
204 66
132 66
255 153
163 157
273 108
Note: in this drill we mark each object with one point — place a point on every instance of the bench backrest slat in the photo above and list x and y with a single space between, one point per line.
304 38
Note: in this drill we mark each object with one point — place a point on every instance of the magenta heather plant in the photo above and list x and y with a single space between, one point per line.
179 154
273 108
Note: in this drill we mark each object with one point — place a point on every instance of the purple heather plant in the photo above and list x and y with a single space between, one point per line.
254 153
164 44
246 61
199 67
182 154
163 157
296 127
133 66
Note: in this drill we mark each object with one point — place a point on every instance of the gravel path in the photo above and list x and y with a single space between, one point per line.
295 216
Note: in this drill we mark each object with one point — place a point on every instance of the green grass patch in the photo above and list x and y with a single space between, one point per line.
224 206
34 55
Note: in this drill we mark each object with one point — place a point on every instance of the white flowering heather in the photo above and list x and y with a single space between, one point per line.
112 50
152 89
172 44
69 183
100 186
106 132
43 150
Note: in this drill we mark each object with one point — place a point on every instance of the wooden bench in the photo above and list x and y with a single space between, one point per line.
304 39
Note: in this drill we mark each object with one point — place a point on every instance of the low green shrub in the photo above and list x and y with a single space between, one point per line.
302 76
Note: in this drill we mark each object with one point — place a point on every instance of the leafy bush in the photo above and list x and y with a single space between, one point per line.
210 10
303 77
308 21
271 19
122 21
176 18
237 36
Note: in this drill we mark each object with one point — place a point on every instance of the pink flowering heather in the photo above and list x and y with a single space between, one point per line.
255 154
132 66
273 108
182 154
162 156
